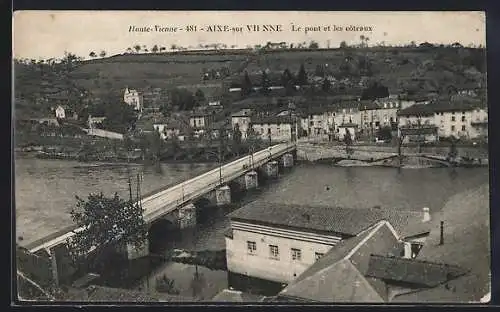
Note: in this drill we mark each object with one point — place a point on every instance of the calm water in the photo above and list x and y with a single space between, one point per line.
45 189
45 193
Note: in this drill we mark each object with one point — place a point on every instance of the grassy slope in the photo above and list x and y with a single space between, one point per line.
393 66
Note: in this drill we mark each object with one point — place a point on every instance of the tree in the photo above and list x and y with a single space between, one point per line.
319 71
313 45
385 133
92 54
237 135
453 152
102 54
265 83
327 85
199 97
348 143
375 91
137 48
154 48
246 87
302 76
287 80
182 98
343 45
105 222
129 50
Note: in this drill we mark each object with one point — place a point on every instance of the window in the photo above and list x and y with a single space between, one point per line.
463 113
274 252
251 247
296 254
441 114
463 118
318 255
452 128
463 128
452 118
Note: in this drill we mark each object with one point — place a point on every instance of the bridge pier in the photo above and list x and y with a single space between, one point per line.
223 195
288 160
187 216
272 169
251 180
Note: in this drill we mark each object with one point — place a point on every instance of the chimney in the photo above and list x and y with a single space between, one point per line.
441 238
427 215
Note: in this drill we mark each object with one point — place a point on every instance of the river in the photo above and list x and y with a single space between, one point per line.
45 192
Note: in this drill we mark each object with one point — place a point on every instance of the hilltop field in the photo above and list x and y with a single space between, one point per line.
401 69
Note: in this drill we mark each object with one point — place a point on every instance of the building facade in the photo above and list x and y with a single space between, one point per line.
60 112
275 129
133 98
243 119
277 243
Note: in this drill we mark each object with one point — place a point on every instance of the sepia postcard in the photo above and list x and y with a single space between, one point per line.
261 157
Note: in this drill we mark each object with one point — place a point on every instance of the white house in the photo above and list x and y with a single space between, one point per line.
277 243
60 112
168 128
274 128
243 119
133 98
463 118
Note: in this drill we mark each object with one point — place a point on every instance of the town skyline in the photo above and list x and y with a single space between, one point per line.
33 29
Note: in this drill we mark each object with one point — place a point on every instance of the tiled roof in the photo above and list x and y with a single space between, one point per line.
340 220
243 113
412 271
417 110
338 276
462 104
466 219
342 282
272 120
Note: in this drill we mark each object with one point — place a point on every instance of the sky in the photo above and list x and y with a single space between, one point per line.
48 34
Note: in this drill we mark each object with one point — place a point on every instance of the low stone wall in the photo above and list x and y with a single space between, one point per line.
315 152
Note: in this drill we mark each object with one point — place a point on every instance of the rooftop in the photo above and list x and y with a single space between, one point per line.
412 271
339 275
466 219
272 120
417 110
346 221
243 113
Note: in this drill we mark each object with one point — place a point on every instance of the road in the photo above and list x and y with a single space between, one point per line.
168 200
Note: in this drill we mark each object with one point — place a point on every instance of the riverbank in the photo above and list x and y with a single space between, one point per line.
387 156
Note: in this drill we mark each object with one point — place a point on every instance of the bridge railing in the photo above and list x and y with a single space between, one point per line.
182 198
186 195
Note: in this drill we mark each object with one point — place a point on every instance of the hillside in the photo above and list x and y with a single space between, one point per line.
400 69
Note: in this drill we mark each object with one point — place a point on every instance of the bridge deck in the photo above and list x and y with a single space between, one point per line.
165 201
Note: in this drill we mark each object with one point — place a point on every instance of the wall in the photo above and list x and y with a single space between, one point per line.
279 132
348 115
243 123
444 120
260 264
39 268
198 122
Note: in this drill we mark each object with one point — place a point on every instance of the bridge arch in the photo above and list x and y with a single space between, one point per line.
159 234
